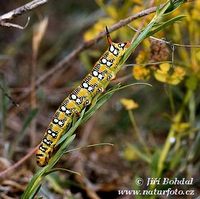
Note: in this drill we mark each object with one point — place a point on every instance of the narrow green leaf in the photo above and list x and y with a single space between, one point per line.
154 163
61 151
163 25
176 159
61 170
174 4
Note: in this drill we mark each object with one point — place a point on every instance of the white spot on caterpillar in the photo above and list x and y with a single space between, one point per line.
73 97
68 111
112 48
78 101
52 133
43 149
100 89
115 52
47 142
49 131
60 123
63 108
104 60
121 45
100 76
87 102
109 63
55 120
95 73
90 88
85 85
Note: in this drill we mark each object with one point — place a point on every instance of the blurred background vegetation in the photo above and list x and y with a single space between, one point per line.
155 130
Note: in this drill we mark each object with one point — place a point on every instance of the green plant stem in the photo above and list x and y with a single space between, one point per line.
36 180
171 100
192 108
137 131
171 134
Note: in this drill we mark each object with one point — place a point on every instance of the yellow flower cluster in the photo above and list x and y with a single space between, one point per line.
130 153
114 13
129 104
163 74
141 57
98 27
141 72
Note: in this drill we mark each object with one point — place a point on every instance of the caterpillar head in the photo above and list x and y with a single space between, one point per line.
115 48
118 49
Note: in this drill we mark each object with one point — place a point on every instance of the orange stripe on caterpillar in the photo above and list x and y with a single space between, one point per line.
92 85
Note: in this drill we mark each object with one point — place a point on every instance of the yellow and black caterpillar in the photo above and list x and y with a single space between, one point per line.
92 85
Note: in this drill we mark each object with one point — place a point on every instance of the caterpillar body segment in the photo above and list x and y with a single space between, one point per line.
92 85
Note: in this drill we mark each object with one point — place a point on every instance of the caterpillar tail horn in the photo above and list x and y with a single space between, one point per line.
108 36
